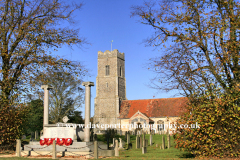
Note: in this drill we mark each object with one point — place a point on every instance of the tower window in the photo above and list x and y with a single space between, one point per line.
107 70
120 71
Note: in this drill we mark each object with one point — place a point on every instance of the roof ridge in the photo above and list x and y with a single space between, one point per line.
153 99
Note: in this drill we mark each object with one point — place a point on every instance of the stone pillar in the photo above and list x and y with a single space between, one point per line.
18 148
87 109
46 89
95 150
54 152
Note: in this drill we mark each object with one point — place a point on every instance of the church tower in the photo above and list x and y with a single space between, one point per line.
110 86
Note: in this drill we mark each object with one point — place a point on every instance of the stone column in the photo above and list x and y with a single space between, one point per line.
95 150
18 148
54 150
46 104
87 109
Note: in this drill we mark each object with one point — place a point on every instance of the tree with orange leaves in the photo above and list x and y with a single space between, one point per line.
200 44
28 29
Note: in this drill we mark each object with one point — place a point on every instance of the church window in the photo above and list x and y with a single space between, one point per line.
107 70
160 125
107 85
120 71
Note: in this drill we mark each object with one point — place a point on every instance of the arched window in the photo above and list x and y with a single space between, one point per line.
160 125
120 71
107 70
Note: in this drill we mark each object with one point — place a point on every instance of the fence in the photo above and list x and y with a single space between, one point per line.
54 152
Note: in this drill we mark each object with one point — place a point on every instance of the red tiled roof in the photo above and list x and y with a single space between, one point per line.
172 107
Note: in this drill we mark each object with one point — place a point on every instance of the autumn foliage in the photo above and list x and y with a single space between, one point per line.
12 119
29 31
218 135
199 41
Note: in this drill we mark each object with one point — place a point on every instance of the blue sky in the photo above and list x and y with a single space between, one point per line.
101 21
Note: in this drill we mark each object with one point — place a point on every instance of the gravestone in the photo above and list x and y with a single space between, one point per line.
91 136
113 133
144 150
114 142
128 137
137 142
108 138
163 142
168 141
95 137
143 144
150 139
116 147
32 136
36 135
140 139
156 145
120 143
130 146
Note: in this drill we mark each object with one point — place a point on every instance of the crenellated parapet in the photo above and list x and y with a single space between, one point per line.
114 53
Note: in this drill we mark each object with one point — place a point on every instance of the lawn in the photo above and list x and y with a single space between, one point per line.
153 152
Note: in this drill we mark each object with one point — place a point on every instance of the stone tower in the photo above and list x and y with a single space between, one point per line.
111 87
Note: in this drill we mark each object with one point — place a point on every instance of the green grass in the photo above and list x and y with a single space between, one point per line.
153 152
22 158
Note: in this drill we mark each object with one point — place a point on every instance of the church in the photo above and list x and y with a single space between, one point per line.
113 109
